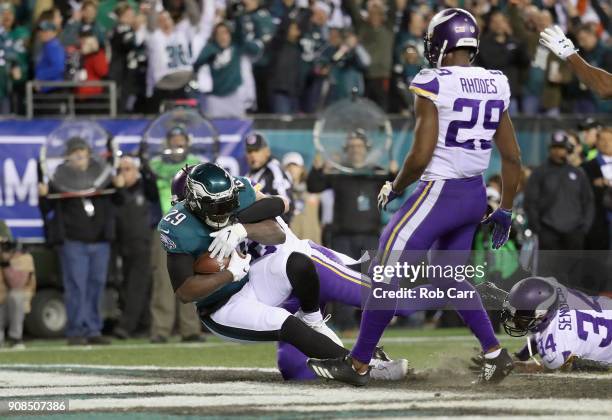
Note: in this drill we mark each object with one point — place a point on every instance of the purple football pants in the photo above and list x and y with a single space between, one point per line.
440 215
338 283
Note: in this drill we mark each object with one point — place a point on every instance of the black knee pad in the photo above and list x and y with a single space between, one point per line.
300 269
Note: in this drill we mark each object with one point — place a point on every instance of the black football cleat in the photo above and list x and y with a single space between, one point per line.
340 369
493 371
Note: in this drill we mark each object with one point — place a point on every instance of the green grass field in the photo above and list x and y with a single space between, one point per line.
424 348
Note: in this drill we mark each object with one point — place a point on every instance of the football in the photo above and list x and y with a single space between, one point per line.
206 265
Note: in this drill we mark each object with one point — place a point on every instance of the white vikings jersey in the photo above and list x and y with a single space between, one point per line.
470 103
168 54
581 328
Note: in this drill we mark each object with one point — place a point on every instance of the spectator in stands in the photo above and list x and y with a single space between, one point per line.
14 66
543 81
599 171
83 228
313 28
257 23
305 221
17 287
376 34
169 56
134 247
411 62
50 65
500 50
285 81
347 60
593 51
411 34
94 62
83 16
266 170
223 54
128 60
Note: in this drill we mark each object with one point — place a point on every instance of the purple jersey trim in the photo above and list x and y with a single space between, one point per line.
432 86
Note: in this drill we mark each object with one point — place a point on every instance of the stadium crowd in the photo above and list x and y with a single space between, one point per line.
286 56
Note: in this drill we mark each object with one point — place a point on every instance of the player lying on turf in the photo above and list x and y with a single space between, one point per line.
567 328
459 110
232 304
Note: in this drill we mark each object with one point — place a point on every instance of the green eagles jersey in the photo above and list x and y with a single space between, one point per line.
183 233
164 172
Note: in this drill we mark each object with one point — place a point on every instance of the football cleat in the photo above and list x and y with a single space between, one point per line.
383 368
392 370
340 369
321 327
493 371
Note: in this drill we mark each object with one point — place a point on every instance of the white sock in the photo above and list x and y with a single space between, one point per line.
493 354
312 317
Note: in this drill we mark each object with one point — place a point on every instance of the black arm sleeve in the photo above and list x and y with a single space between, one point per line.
180 268
266 208
317 181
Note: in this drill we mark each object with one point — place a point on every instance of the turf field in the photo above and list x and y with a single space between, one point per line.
135 379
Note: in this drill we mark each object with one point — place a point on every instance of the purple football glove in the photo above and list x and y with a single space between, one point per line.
501 220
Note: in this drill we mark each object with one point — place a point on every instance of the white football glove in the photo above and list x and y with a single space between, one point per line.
239 266
226 240
555 40
386 195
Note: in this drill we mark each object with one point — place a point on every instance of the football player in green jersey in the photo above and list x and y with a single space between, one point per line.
242 302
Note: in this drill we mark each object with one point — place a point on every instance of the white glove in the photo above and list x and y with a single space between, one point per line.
555 40
238 266
226 240
386 195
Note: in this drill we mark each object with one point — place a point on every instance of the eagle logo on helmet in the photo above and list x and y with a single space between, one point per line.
211 194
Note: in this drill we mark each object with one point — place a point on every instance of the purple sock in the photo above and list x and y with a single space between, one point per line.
474 315
292 363
373 324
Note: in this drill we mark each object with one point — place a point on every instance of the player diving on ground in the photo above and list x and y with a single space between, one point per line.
242 302
567 328
459 110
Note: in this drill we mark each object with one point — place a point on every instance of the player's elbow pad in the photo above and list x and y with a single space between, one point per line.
266 208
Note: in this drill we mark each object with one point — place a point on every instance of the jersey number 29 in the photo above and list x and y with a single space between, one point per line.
488 123
174 217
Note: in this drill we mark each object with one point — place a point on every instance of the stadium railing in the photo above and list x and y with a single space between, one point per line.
64 101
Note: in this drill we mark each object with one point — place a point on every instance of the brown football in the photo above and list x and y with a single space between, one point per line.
206 265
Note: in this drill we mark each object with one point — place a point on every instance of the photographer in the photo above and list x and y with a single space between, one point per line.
356 222
17 287
83 227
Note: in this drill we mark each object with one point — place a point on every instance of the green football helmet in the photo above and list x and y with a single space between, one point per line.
212 194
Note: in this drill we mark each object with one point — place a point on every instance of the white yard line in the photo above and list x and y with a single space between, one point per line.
146 368
116 391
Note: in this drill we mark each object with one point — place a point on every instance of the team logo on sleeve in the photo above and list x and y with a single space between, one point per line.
166 241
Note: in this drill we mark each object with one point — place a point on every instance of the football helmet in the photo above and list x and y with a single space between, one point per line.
530 306
211 194
448 30
179 184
